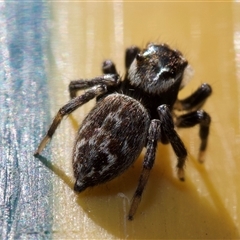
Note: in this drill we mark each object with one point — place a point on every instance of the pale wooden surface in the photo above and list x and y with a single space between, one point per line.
207 204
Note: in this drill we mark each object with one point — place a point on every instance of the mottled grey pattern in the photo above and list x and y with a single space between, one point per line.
113 140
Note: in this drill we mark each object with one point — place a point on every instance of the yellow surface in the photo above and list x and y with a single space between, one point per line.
206 205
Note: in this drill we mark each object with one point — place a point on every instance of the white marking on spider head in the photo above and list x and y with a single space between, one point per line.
162 70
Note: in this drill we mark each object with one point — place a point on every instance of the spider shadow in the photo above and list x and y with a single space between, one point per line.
108 204
164 191
56 170
104 189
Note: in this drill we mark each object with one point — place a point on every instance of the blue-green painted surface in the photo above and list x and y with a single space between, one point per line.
25 184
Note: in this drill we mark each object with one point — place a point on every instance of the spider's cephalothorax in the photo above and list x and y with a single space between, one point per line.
157 69
131 114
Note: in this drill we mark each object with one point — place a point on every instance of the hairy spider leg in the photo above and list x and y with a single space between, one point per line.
196 100
193 103
153 136
167 127
130 54
191 119
107 80
108 66
101 84
67 109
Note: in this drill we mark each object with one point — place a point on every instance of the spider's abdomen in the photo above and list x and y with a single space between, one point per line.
111 137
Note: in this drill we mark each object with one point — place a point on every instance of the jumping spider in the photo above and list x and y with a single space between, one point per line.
131 114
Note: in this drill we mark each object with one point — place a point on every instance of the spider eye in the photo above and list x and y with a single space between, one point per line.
166 74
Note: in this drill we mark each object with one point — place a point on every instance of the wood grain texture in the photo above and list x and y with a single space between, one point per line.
25 184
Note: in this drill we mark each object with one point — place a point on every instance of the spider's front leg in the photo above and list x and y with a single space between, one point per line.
167 126
154 134
195 100
130 54
98 86
108 66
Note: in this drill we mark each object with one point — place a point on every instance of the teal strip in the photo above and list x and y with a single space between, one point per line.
25 184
